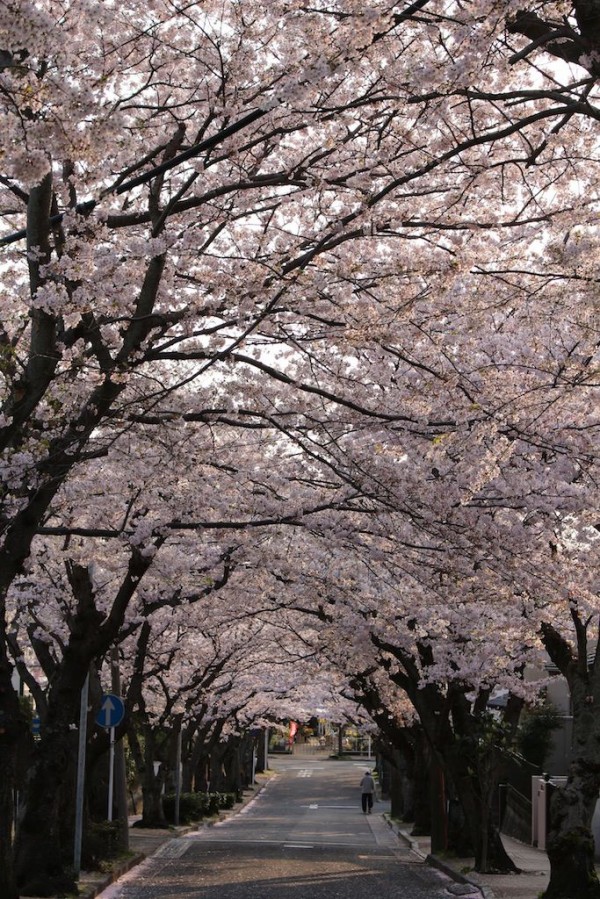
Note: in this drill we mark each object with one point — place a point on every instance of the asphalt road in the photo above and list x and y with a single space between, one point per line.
303 837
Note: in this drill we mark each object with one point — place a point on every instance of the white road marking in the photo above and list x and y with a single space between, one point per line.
174 849
347 808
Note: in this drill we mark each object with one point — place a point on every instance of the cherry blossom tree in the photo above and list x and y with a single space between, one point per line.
369 230
133 572
95 297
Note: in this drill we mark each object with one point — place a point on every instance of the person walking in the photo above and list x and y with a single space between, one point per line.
367 789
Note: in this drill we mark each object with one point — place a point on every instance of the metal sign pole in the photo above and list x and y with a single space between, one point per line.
111 774
178 775
80 775
110 716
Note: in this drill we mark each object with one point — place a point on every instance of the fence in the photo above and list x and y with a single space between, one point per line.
515 814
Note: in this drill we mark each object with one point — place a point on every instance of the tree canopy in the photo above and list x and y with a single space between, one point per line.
298 360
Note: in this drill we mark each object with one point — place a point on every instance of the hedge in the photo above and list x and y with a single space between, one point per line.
195 806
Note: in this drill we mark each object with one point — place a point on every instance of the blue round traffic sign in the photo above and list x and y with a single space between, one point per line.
112 711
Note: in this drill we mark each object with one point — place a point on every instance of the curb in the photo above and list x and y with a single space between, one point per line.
87 891
434 862
440 864
91 890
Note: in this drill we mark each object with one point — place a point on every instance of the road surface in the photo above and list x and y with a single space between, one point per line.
303 837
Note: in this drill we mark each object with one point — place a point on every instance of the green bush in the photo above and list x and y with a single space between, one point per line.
101 841
196 806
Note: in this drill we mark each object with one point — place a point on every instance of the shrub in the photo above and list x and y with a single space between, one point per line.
196 806
101 841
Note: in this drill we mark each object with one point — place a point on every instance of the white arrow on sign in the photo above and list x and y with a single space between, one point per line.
107 709
111 711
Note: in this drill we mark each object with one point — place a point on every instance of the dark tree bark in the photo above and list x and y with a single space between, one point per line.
43 854
64 451
43 858
153 813
471 748
438 806
217 778
145 753
421 792
262 762
226 767
570 843
454 727
12 727
400 785
197 767
44 844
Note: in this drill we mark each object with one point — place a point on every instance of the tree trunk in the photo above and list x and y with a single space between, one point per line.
206 740
401 805
474 751
398 767
12 729
188 763
570 844
262 762
439 817
187 776
43 852
8 887
217 781
44 846
120 766
153 813
225 767
490 855
233 768
245 756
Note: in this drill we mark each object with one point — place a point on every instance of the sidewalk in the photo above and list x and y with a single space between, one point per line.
533 864
144 842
